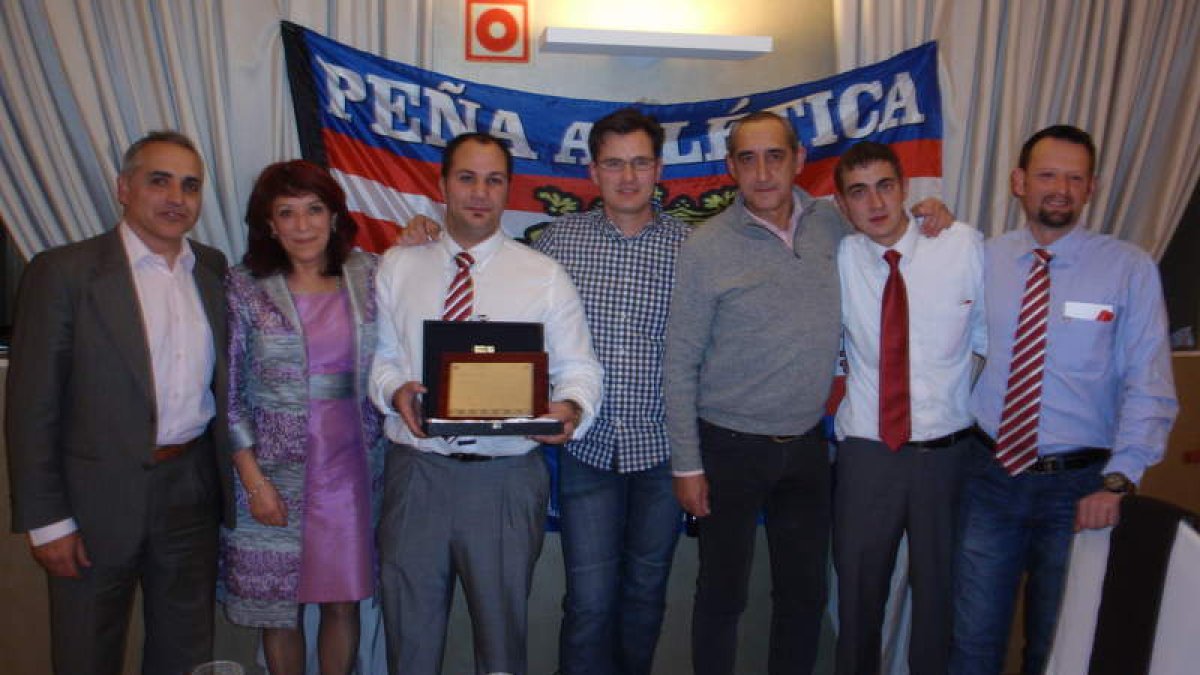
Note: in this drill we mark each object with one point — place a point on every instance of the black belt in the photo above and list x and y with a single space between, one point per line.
762 438
942 441
1063 461
469 457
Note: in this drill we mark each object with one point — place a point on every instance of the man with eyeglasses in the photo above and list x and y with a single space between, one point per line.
620 520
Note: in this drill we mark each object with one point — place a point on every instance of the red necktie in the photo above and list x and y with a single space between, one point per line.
895 407
1016 445
460 297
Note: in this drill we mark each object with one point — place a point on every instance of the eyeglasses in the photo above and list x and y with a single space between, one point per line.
617 164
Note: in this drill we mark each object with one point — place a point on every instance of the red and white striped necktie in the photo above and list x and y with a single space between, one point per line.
1016 443
460 297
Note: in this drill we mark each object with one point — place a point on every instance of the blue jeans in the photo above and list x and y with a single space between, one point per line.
618 538
1013 525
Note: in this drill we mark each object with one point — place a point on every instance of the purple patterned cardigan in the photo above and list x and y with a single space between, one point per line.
268 410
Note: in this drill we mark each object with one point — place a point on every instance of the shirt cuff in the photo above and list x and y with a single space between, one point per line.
1123 465
684 474
39 536
587 411
386 387
242 436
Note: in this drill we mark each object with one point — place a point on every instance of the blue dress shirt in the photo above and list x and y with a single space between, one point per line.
1107 381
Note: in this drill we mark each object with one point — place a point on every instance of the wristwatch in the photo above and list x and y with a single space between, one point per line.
1119 483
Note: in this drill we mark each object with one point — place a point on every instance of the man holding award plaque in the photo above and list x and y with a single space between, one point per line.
472 507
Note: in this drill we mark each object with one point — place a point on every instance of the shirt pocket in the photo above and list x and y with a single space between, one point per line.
1081 345
943 331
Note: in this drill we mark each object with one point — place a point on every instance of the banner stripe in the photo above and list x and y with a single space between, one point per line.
918 158
380 125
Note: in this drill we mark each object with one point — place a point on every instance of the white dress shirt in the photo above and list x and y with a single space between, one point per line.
182 354
943 277
512 283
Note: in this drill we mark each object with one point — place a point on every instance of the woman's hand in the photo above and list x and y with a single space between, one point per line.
266 505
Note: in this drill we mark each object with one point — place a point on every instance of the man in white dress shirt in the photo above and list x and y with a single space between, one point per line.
913 316
459 507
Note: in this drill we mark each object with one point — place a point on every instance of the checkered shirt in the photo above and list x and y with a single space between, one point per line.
625 284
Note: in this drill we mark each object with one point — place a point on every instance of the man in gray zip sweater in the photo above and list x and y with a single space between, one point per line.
751 345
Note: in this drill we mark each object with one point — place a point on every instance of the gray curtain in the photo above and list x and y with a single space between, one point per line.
81 79
1128 71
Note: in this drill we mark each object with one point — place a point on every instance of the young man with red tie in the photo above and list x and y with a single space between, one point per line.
913 317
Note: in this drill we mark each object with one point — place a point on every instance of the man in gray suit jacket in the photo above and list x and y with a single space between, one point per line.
116 455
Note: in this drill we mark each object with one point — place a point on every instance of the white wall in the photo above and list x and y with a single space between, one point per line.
802 32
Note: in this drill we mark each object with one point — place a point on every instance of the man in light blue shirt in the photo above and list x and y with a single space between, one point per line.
1102 405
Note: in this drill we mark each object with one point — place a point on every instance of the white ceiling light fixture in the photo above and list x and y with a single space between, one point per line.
643 43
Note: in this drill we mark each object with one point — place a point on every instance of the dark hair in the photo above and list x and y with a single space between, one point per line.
264 254
861 154
168 136
762 116
1061 132
481 138
625 121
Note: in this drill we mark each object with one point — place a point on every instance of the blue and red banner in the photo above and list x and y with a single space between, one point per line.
380 127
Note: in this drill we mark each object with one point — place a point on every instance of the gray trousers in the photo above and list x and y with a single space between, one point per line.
879 495
176 566
445 520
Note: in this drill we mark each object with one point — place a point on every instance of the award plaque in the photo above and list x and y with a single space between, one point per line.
492 386
486 379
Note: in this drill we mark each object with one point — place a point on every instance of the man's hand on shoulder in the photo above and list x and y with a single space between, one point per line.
62 557
419 231
936 216
1099 509
692 493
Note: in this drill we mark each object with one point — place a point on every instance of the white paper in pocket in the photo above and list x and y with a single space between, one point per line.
1089 311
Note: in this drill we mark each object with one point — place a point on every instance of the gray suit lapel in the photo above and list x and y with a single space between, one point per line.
212 296
116 304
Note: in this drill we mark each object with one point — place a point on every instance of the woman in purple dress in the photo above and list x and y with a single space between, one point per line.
307 442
